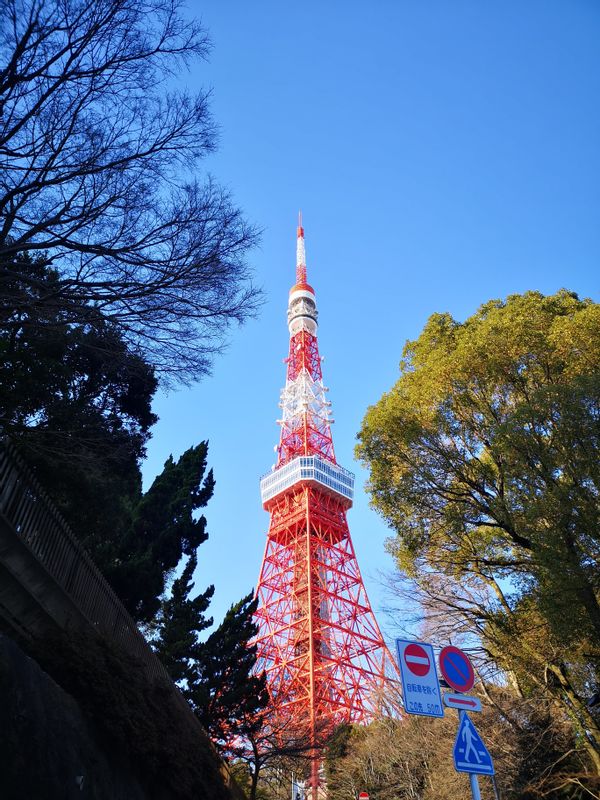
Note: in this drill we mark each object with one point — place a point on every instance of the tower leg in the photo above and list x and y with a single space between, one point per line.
314 776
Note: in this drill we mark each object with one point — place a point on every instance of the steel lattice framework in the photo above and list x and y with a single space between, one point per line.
318 639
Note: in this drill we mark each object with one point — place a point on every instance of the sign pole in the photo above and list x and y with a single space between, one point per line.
474 786
472 776
495 785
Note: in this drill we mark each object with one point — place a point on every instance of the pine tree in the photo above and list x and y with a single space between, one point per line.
162 529
226 696
180 620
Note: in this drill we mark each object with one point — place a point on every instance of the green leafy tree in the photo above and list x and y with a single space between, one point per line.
59 375
161 528
76 399
217 675
483 459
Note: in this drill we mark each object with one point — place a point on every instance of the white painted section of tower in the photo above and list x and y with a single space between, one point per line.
331 477
300 252
302 312
305 396
298 294
302 317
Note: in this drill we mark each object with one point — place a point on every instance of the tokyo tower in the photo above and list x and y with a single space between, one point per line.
318 640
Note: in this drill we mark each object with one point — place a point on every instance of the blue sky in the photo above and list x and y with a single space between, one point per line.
443 153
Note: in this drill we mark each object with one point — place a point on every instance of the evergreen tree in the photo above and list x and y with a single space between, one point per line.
226 696
216 676
71 392
161 530
179 621
76 400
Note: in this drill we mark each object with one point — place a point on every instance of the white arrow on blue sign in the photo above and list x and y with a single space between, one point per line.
470 753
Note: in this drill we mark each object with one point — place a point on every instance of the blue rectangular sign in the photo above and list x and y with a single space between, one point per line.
420 685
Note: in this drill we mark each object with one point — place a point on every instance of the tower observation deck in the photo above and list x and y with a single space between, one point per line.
318 639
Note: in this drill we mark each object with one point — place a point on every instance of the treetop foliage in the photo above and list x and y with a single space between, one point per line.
534 756
180 619
160 528
490 431
99 161
55 372
216 675
76 399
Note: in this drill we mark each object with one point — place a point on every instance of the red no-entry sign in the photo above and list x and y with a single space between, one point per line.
417 659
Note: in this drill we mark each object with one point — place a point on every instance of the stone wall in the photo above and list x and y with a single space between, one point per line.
48 749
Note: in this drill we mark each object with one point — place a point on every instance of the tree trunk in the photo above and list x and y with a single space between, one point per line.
590 730
583 589
254 783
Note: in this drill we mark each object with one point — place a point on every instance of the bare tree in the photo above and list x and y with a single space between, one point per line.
99 158
411 758
278 747
522 674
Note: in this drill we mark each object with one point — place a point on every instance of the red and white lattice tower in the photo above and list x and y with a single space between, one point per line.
318 640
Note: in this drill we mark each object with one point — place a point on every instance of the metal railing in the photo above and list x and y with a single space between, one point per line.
27 509
31 514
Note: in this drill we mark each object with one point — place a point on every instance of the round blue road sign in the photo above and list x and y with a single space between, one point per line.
456 669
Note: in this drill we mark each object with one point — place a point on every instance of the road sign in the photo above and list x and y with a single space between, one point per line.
470 753
463 701
298 792
420 686
456 669
363 796
417 659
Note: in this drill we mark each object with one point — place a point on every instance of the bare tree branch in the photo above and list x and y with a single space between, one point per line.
99 169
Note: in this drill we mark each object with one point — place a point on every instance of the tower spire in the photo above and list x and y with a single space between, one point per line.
300 253
306 419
